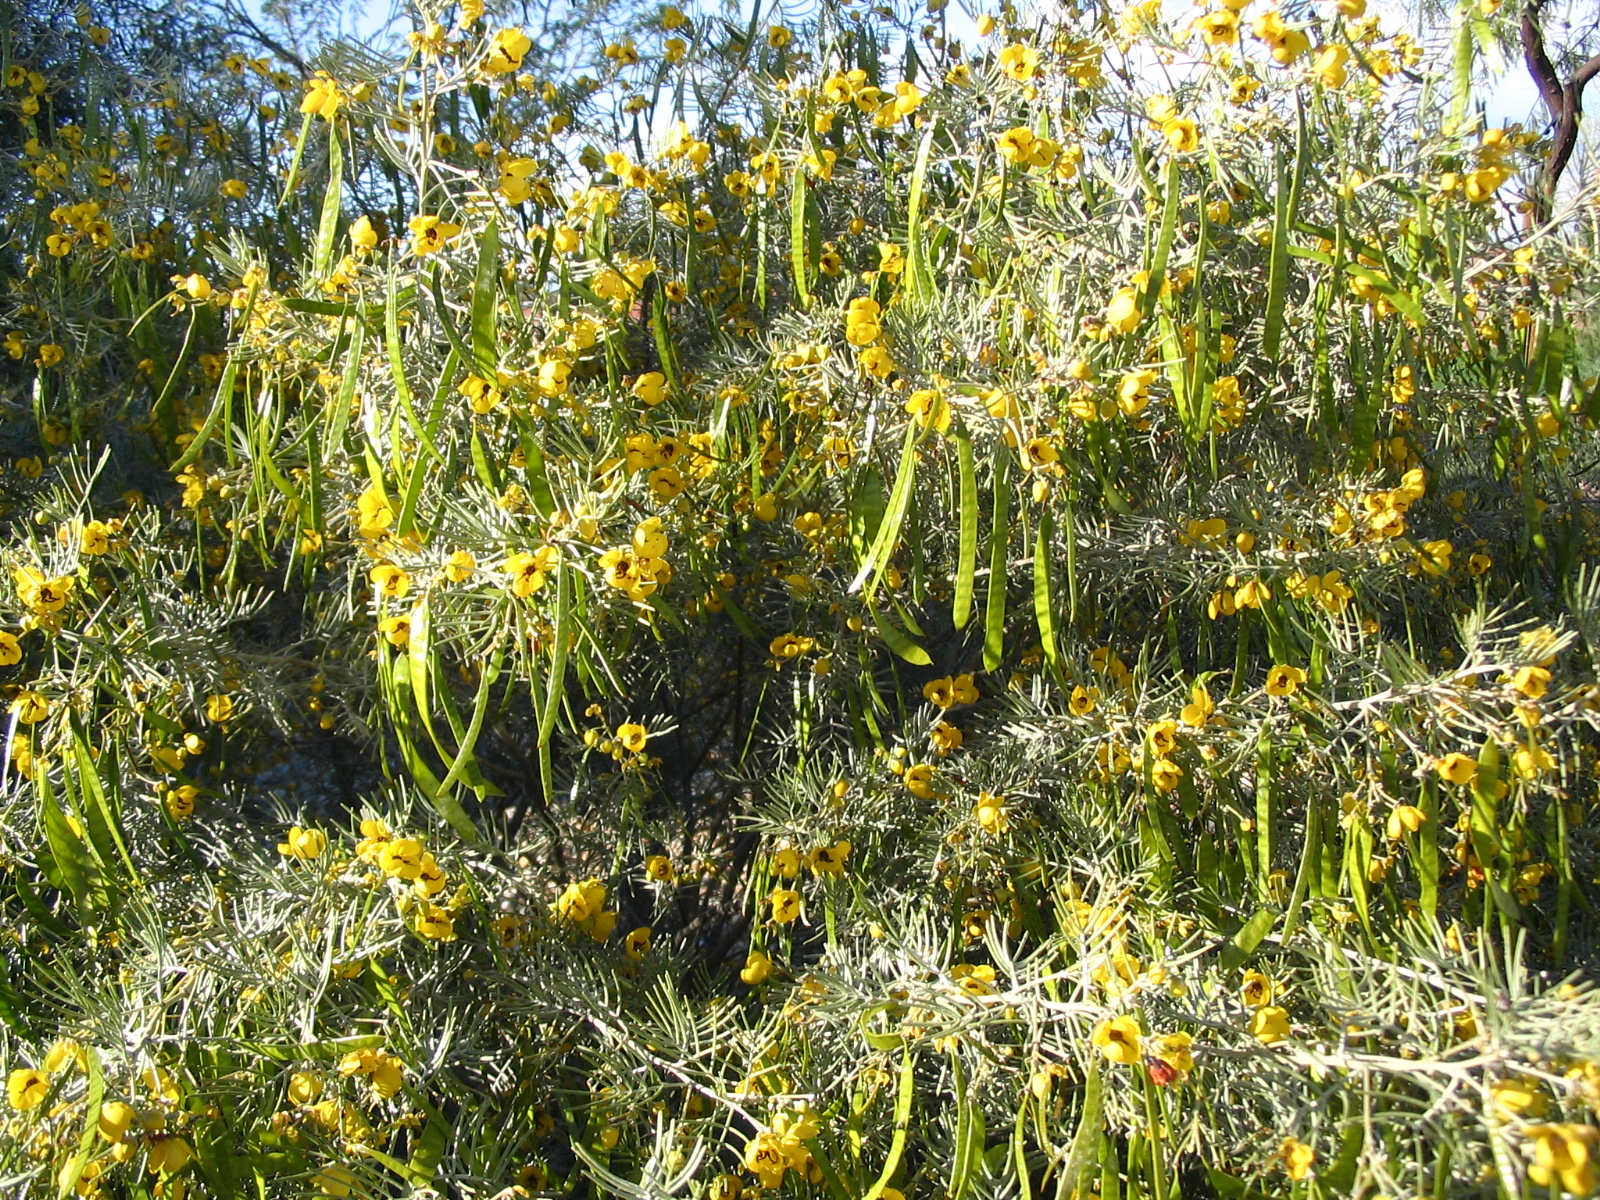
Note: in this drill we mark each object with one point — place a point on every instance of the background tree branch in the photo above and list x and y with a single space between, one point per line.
1563 101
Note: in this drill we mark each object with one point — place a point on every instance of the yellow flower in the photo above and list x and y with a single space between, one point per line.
861 321
623 571
1165 774
179 801
1532 760
945 737
1563 1153
429 234
396 630
1406 818
160 1083
1163 736
1532 682
10 649
990 813
1269 1024
785 905
1220 28
374 513
374 836
526 570
929 408
1200 707
658 869
1518 1096
1328 66
919 780
1019 62
1176 1050
1180 135
40 595
506 50
435 923
1118 1039
624 52
1016 145
757 967
431 879
88 1183
322 97
386 1072
768 1158
1297 1158
362 234
1434 557
458 568
877 362
1133 391
830 860
304 1087
303 843
637 944
1456 767
1123 313
651 387
1285 44
633 738
1040 452
116 1118
26 1088
554 374
401 858
581 902
30 707
219 709
649 539
907 98
1480 186
482 396
1284 681
171 1154
974 979
389 580
63 1054
790 645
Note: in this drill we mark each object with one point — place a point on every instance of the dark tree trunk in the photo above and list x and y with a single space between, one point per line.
1564 101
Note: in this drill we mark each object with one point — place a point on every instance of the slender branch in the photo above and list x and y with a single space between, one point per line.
1539 64
1586 72
246 26
1564 102
1565 140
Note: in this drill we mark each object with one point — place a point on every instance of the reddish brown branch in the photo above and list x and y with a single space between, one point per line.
1563 101
1539 64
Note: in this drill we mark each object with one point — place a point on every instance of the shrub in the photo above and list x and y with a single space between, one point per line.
832 611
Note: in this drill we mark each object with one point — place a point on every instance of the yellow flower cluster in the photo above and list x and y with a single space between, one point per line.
781 1148
639 569
584 906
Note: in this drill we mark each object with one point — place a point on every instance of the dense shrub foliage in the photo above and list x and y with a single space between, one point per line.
821 609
